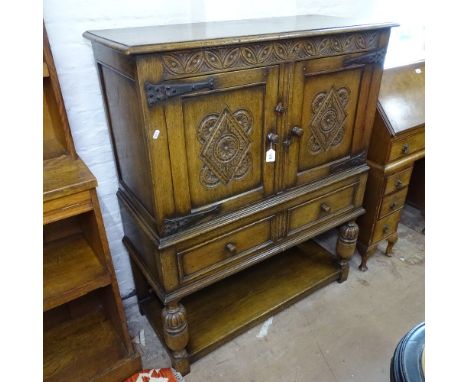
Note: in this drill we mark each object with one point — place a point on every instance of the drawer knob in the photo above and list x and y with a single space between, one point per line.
325 207
405 148
393 206
386 229
398 184
231 248
273 138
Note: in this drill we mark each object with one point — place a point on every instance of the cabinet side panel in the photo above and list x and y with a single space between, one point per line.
121 98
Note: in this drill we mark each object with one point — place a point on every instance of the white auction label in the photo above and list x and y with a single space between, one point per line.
270 155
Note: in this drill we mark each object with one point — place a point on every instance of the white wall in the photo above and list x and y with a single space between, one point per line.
66 20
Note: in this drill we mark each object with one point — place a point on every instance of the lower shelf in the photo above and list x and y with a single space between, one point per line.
86 349
71 269
223 310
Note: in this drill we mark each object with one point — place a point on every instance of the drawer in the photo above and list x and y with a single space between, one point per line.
397 181
221 250
306 214
385 227
393 202
406 146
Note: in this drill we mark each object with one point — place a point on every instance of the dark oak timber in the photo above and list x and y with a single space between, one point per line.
237 142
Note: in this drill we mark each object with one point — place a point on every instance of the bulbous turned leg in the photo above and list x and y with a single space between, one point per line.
391 242
176 335
345 247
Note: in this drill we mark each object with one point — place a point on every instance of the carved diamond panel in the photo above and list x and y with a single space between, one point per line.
328 117
225 146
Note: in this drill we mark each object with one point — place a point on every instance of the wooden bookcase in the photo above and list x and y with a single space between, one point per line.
85 331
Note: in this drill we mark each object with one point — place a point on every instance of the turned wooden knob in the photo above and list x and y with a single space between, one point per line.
273 138
393 206
398 184
325 207
386 229
231 248
297 131
405 148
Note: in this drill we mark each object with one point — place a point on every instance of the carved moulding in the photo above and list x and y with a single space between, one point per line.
328 117
266 53
225 146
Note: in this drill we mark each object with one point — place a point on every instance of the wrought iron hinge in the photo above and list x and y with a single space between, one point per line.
375 57
158 93
173 225
354 161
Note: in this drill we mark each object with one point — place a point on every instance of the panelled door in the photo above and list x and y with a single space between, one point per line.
326 117
218 140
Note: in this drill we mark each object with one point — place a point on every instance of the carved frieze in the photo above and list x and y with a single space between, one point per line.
225 146
266 53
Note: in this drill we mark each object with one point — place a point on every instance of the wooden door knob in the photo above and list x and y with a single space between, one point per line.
386 229
393 206
405 148
231 248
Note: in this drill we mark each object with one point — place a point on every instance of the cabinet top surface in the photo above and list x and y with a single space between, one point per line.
401 97
184 36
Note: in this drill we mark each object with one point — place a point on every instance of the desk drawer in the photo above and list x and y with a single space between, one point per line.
306 214
397 181
405 146
219 251
386 226
393 202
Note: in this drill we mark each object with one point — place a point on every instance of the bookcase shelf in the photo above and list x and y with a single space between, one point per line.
86 348
85 331
62 285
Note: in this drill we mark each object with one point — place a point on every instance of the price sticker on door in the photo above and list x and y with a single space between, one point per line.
270 155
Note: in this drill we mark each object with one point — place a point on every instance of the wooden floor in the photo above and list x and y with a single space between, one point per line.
340 333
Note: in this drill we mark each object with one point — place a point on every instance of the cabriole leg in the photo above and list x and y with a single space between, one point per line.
176 335
391 242
345 247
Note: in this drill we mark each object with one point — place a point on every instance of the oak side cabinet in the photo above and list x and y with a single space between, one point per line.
236 143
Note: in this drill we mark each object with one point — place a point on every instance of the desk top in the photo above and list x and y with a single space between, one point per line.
401 97
184 36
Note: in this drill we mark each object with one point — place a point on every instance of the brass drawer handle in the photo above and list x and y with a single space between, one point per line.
399 183
405 148
325 207
231 248
393 206
386 229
